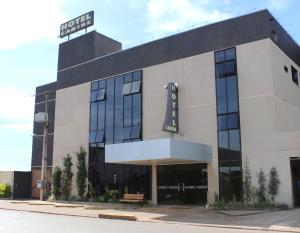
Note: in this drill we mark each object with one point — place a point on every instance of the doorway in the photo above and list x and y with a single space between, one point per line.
295 173
182 184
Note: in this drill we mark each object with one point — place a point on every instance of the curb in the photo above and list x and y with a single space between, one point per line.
118 217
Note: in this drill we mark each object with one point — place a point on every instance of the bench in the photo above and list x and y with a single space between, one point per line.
133 198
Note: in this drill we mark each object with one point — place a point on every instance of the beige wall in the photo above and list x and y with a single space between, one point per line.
197 104
269 111
7 177
71 124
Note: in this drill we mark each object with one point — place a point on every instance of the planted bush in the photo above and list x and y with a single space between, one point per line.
56 183
67 176
81 174
5 190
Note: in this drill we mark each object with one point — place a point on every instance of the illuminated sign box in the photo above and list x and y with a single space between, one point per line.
84 21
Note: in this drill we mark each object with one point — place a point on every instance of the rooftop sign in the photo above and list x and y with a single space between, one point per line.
84 21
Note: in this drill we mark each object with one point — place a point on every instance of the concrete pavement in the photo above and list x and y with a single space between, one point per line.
288 221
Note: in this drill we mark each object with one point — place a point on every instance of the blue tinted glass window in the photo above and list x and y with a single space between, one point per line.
230 68
136 132
221 96
128 110
127 133
94 86
137 76
110 103
135 87
101 115
94 96
99 136
137 109
119 102
102 84
234 140
101 94
128 78
118 135
92 137
219 70
109 136
223 139
219 56
93 116
230 54
222 122
127 88
232 94
233 121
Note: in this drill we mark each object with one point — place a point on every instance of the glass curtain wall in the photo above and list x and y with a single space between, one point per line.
228 121
116 117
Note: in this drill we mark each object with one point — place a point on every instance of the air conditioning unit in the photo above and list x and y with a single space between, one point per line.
41 117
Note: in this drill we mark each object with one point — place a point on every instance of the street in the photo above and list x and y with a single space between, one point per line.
23 222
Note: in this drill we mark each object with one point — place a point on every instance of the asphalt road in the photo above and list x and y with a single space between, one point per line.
26 222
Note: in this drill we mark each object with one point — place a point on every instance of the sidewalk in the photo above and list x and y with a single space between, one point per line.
283 221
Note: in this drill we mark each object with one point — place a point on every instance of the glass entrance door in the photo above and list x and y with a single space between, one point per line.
182 184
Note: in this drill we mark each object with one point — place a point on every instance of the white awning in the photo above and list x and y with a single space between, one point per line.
158 151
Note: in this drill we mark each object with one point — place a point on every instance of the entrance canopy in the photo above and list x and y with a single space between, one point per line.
158 151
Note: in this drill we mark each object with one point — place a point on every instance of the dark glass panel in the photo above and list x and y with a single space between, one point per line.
101 115
94 96
137 76
222 122
136 132
99 136
94 86
137 109
128 110
119 102
230 54
230 68
110 103
126 89
93 116
128 78
109 136
219 70
101 94
221 96
234 140
118 135
136 87
219 56
294 75
223 139
102 84
92 137
233 121
127 133
232 94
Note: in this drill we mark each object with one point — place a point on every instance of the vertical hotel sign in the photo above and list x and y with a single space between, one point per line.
171 119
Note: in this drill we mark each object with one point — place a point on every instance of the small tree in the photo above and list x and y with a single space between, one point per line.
56 183
81 172
274 183
247 182
261 191
67 176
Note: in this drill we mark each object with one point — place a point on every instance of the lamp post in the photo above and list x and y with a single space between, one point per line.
42 117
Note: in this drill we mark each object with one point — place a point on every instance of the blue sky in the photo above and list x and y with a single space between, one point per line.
29 46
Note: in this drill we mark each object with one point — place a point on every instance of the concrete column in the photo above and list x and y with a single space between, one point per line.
154 184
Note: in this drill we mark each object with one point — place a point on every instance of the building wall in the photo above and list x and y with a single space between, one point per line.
7 177
269 108
71 124
197 104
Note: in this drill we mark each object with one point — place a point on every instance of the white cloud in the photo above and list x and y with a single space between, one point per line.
279 4
15 105
167 16
27 21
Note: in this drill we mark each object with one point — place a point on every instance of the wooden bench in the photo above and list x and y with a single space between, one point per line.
133 198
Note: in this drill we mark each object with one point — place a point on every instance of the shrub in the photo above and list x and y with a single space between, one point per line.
247 182
81 174
261 191
5 190
67 176
273 185
56 183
